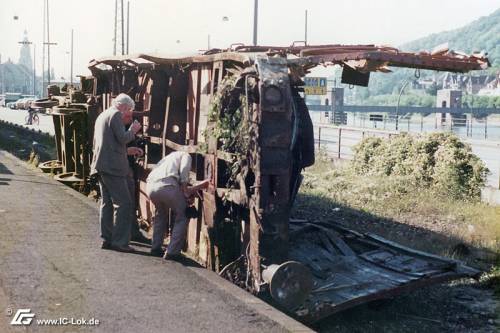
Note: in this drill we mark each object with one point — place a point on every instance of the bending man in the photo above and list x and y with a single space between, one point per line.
167 187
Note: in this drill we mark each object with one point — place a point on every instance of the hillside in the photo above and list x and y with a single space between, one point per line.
482 34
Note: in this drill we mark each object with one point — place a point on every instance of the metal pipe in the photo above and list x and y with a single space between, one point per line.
255 20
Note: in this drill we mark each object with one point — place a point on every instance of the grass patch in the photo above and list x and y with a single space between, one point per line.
20 142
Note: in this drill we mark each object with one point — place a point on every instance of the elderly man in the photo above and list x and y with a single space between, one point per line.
109 161
167 187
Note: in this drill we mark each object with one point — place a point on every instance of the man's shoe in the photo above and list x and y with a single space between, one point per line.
106 245
125 248
173 256
157 253
140 238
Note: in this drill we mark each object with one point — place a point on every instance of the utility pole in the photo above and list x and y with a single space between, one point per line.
119 32
34 69
42 90
305 30
48 43
123 34
128 24
208 42
71 71
116 18
255 19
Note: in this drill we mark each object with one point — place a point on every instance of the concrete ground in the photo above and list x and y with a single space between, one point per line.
52 264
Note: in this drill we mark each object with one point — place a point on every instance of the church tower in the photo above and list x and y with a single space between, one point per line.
25 56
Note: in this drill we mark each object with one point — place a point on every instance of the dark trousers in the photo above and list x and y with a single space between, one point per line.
116 209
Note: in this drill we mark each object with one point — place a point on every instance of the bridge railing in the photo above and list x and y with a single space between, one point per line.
465 125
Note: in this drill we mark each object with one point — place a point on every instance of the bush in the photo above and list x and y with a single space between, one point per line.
439 161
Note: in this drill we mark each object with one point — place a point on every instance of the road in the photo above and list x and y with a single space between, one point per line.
19 116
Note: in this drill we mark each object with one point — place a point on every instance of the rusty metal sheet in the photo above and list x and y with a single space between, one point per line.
362 269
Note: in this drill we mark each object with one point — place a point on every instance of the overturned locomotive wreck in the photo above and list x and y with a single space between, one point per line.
241 114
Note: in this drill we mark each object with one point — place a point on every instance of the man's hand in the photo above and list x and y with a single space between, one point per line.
191 190
135 151
135 127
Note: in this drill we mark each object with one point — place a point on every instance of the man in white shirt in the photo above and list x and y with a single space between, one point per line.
167 187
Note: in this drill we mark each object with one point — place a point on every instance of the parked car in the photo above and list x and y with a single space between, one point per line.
11 105
24 103
28 102
20 103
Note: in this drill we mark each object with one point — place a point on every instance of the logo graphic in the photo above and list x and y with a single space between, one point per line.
22 317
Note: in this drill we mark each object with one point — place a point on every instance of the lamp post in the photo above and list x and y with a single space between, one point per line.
48 43
399 98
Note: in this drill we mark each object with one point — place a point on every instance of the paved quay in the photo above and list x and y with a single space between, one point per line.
52 264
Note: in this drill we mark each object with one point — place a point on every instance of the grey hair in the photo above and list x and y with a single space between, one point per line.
124 99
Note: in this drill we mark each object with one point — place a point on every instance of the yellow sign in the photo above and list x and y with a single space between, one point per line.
315 85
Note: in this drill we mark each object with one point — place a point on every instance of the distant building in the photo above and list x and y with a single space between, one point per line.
449 98
18 77
492 88
467 83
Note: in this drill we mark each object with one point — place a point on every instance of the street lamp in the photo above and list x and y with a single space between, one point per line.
399 98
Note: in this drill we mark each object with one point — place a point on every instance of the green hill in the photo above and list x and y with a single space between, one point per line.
482 34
